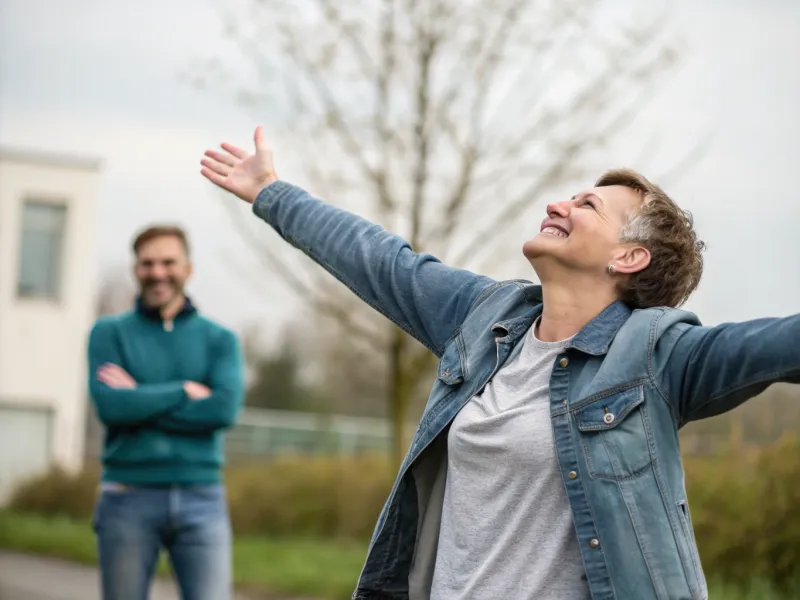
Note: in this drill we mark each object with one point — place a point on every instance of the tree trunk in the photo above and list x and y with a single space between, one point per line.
398 394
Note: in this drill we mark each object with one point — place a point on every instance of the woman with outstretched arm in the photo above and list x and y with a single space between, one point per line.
546 465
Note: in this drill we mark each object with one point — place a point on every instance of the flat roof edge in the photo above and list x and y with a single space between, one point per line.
52 159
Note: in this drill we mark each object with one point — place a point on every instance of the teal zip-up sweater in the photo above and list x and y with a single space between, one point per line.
155 434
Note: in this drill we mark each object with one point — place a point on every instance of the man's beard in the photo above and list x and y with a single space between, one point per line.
175 290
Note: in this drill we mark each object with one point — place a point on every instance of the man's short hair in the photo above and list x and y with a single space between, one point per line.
157 231
667 231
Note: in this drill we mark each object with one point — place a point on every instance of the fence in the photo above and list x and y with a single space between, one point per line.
264 434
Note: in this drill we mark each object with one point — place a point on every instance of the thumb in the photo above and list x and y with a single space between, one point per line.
258 138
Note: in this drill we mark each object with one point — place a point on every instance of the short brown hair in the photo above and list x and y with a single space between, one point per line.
667 231
157 231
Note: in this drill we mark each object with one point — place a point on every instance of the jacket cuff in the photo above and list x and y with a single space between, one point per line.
268 195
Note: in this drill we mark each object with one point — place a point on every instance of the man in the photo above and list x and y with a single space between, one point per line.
165 383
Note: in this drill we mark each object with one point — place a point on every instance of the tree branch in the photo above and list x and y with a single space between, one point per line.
331 12
425 55
334 118
380 118
325 304
471 154
563 158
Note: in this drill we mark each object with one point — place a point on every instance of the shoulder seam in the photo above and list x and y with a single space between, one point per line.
651 346
488 291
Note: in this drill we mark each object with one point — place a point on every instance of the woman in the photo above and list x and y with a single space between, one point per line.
546 464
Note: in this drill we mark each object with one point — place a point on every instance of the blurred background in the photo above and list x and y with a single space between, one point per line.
451 122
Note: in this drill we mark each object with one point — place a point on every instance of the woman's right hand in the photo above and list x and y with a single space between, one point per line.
238 172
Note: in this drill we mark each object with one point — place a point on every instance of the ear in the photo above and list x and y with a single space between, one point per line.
631 259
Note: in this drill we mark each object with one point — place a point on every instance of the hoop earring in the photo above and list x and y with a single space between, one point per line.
611 269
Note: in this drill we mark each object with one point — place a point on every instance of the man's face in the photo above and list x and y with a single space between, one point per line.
162 269
583 233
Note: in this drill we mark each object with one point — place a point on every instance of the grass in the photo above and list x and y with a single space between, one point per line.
322 569
326 570
756 591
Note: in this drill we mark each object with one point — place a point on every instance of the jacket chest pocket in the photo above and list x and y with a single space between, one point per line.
614 435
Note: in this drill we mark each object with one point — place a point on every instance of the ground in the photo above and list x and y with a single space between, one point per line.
24 577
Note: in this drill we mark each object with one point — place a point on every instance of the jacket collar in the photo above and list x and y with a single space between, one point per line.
149 312
595 337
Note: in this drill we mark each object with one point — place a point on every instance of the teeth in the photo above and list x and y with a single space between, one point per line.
554 231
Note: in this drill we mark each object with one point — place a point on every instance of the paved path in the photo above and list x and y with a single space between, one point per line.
24 577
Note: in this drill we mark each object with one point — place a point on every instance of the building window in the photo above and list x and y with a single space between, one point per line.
41 245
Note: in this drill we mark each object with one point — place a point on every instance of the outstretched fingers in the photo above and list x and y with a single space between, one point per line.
235 150
223 157
216 166
213 177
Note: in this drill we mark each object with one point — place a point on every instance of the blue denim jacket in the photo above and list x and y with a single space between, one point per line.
619 394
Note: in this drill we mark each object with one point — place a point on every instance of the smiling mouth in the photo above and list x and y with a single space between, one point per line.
555 231
160 286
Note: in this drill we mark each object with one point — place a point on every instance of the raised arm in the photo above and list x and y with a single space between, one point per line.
707 371
421 295
125 406
226 382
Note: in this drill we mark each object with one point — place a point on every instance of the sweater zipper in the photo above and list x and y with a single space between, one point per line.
169 325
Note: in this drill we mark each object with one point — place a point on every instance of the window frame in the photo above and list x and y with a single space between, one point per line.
55 289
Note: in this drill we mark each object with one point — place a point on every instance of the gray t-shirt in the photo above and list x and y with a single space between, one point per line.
507 529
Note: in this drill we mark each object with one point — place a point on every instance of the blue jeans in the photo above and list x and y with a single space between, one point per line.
190 522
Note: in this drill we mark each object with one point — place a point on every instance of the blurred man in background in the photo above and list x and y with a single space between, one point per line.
165 382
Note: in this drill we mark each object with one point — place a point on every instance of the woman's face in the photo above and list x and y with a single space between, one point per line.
583 233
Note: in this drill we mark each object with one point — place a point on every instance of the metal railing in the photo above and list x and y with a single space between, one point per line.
262 433
265 434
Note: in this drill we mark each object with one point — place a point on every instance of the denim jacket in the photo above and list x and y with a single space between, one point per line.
619 393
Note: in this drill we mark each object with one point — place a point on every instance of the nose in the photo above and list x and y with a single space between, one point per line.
559 209
158 272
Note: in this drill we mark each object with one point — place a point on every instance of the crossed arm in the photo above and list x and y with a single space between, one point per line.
178 406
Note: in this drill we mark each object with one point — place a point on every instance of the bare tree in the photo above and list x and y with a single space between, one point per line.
443 120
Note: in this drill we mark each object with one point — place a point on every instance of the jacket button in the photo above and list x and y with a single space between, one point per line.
594 543
447 373
572 475
564 362
608 418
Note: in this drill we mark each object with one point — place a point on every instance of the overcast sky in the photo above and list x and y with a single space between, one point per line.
99 78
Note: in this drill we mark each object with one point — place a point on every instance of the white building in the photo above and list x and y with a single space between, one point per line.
47 213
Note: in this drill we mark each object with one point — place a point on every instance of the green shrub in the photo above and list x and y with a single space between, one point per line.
321 497
746 513
745 505
58 493
318 497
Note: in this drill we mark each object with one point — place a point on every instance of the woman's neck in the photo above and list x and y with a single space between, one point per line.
567 308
